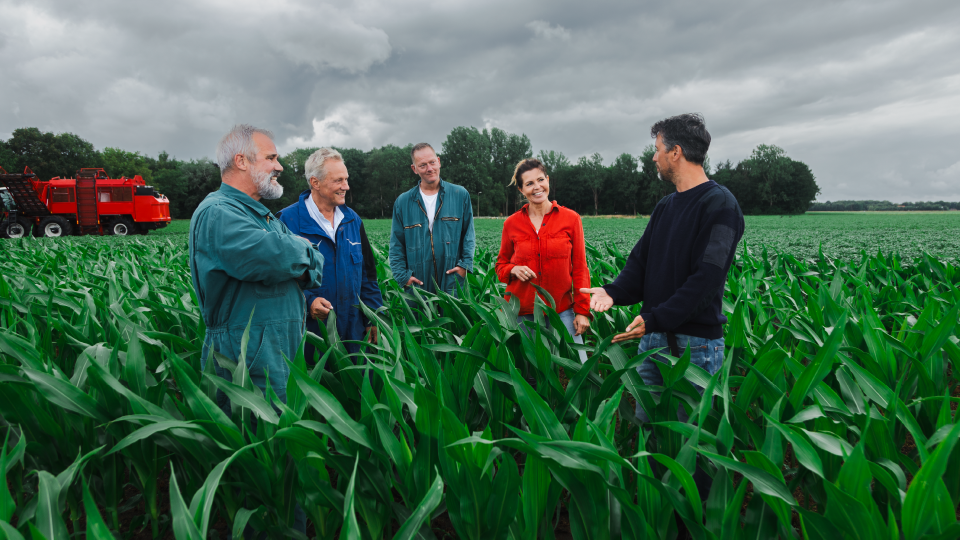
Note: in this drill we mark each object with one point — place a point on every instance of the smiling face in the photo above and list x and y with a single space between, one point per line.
426 165
535 186
332 190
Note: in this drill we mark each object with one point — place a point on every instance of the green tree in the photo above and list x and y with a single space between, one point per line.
8 160
593 175
466 161
122 163
49 154
624 182
506 150
388 174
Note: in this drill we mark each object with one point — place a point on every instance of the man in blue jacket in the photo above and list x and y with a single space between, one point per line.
350 270
432 239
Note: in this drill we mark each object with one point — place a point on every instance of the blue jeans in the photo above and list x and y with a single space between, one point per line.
567 318
706 353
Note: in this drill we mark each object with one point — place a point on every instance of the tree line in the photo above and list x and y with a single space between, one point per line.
881 206
768 182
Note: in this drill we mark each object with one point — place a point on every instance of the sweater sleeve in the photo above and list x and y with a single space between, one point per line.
714 249
627 289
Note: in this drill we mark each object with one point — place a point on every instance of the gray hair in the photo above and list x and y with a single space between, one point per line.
239 141
314 165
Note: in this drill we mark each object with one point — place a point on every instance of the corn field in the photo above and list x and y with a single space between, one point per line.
833 416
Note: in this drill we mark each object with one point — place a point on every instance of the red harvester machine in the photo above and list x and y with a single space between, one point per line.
91 203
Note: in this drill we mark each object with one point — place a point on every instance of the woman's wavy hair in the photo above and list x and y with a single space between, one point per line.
525 165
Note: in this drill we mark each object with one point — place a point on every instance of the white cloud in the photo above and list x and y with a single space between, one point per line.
544 30
351 125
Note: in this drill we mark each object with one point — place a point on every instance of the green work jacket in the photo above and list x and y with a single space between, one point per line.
241 258
417 251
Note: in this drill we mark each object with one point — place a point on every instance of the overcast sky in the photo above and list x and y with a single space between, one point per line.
866 92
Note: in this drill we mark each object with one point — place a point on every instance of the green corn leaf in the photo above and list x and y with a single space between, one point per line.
429 503
9 532
202 501
351 529
762 481
323 401
806 455
922 496
820 366
48 519
97 529
247 399
184 528
66 395
7 504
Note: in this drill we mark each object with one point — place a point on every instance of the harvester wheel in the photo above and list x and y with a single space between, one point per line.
122 227
54 227
15 228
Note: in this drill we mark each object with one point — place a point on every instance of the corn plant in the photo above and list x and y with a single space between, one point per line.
833 415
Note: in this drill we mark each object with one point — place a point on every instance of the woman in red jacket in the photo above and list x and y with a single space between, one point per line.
543 244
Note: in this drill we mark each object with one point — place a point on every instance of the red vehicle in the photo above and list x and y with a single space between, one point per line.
91 203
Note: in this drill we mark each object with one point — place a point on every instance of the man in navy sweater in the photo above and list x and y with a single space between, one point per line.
679 266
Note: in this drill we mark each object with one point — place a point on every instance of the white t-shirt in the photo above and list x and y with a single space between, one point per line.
329 228
431 207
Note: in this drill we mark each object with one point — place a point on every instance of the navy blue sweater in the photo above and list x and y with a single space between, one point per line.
679 266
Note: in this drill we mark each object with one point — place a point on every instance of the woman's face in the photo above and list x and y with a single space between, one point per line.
535 186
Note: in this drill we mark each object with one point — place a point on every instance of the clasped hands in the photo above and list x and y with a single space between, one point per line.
600 301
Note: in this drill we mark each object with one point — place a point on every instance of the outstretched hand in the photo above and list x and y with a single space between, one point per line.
600 301
635 330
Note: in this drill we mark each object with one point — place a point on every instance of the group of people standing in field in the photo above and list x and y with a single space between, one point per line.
285 274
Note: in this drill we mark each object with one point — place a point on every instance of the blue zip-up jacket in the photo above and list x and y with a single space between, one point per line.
349 272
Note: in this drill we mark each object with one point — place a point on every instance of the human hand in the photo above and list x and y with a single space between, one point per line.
580 324
523 273
320 308
372 334
461 271
635 330
413 280
600 301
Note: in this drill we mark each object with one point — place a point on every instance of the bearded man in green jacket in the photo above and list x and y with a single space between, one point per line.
244 261
432 238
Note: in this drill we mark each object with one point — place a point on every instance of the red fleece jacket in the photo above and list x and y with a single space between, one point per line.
557 255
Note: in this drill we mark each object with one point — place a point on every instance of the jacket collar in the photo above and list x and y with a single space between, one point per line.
416 189
239 196
307 223
555 208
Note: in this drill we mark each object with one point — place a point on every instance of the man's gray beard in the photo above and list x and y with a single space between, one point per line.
265 188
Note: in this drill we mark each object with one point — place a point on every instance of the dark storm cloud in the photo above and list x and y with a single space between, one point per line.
867 93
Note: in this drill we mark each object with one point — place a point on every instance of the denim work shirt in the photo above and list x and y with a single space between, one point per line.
243 261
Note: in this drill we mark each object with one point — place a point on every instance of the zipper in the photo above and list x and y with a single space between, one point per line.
433 253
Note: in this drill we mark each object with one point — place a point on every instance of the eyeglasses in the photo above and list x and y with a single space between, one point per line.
431 163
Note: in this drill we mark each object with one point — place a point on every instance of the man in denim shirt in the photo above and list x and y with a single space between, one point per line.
679 267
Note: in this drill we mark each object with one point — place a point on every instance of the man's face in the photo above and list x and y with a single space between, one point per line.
265 170
426 165
662 160
333 189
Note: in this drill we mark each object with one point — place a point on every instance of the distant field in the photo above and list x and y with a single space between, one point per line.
843 234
